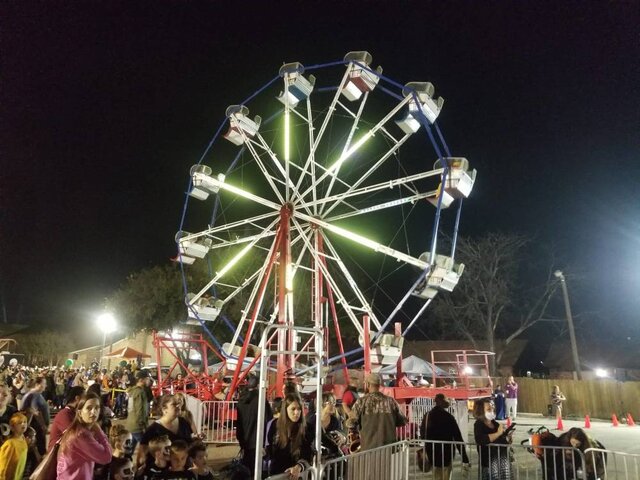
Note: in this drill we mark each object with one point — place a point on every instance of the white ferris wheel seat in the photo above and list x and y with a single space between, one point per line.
241 127
297 87
205 308
443 276
422 101
360 80
192 248
386 349
459 181
202 183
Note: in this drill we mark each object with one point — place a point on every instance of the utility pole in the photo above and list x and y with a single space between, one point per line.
572 334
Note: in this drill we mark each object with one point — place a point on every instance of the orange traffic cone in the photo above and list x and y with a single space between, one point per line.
587 421
508 422
560 425
630 422
614 420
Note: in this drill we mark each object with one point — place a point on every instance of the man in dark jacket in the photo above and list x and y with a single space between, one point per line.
247 424
439 425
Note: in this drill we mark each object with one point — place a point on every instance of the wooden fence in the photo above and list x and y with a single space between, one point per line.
598 398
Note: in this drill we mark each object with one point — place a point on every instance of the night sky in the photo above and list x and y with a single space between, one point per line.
106 105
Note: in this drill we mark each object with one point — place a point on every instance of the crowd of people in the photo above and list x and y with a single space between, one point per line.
86 443
83 442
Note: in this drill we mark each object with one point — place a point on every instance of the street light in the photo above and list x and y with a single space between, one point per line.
106 323
572 334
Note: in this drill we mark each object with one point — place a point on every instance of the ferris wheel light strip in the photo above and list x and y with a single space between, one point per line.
286 135
363 240
232 262
381 206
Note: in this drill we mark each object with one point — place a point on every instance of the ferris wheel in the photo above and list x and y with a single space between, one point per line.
346 175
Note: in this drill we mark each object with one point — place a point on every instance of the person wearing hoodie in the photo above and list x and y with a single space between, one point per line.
138 407
247 425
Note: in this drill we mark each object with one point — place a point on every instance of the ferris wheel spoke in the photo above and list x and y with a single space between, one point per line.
352 283
229 226
283 172
342 301
381 206
376 187
335 168
369 172
235 259
375 246
268 177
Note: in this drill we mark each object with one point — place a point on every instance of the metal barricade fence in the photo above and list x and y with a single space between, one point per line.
383 463
218 421
610 465
441 460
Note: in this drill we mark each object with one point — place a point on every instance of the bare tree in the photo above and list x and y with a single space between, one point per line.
504 290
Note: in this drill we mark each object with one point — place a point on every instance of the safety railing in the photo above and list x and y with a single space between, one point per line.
389 462
610 465
218 421
309 474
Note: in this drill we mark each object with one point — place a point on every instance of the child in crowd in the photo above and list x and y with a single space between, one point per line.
178 462
121 441
121 468
33 455
13 453
157 462
198 456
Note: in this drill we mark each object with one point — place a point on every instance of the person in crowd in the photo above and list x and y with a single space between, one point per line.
59 380
439 425
557 397
498 399
494 460
349 397
84 443
375 415
290 450
198 456
511 400
138 407
181 400
37 409
65 416
170 424
121 468
157 461
595 461
178 462
247 424
33 456
13 453
121 441
6 409
332 436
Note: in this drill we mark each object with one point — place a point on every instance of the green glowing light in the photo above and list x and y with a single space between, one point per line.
286 135
234 260
350 151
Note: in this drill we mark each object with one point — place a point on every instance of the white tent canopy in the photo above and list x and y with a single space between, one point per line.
413 365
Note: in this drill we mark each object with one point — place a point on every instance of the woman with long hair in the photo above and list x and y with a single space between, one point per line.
492 442
170 424
595 461
84 443
290 449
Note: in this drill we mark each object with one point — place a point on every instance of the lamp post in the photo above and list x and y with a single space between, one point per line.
106 323
572 333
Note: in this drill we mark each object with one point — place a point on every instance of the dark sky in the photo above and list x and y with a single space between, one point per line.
106 105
